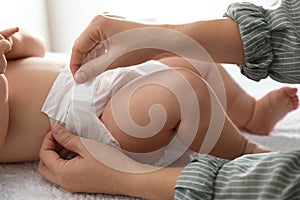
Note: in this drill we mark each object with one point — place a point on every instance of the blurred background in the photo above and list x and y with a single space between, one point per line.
61 21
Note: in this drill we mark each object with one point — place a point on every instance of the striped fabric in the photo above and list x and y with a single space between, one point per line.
271 40
255 176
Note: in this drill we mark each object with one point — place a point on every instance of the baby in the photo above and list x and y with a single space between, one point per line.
35 92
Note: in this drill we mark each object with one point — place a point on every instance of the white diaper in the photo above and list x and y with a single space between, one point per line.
57 104
81 117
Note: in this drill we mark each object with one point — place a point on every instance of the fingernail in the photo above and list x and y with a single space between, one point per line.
57 129
80 77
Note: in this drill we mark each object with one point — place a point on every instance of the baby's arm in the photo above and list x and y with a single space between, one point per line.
26 44
5 46
4 111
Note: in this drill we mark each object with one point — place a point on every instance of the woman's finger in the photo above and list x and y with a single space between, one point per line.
46 173
48 154
67 140
85 43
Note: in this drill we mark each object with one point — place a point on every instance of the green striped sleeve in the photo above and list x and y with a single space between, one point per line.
271 39
197 179
254 176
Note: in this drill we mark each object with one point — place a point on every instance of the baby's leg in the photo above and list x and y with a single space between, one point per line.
3 109
230 143
236 101
257 117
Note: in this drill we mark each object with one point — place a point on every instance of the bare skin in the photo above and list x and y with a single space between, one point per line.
260 116
272 108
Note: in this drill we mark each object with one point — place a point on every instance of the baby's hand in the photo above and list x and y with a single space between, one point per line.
5 46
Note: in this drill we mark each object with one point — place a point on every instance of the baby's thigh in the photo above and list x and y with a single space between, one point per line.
132 120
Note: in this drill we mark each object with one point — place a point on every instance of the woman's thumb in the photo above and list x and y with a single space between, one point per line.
66 139
92 68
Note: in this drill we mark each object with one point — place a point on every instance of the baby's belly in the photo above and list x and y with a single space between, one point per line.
29 82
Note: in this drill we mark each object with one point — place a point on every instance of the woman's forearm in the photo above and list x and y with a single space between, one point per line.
220 38
113 172
157 184
26 44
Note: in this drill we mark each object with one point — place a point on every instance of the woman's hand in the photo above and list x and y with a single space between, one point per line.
6 45
118 43
82 173
96 168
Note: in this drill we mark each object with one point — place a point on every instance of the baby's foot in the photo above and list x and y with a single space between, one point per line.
253 147
271 108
